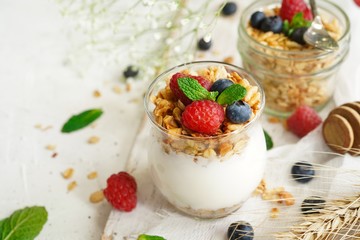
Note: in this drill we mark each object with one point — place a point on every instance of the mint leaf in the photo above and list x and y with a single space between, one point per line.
24 224
232 94
286 27
194 91
297 21
269 142
81 120
149 237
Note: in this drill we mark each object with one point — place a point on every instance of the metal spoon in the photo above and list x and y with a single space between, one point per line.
316 35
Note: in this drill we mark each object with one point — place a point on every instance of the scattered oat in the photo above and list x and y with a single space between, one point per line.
215 52
229 60
50 147
286 198
68 173
38 126
97 93
135 100
117 89
93 140
97 197
261 188
128 87
71 186
201 55
104 237
47 128
274 213
54 155
92 175
273 120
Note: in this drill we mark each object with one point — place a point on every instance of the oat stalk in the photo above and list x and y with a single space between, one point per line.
340 219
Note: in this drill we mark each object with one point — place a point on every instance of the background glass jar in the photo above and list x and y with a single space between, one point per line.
293 77
205 176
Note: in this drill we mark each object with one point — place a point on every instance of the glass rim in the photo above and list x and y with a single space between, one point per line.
160 77
243 24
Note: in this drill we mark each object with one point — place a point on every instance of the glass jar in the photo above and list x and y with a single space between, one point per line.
292 77
205 176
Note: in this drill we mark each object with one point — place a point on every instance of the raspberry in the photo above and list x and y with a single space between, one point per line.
290 7
357 2
204 116
121 191
174 86
303 121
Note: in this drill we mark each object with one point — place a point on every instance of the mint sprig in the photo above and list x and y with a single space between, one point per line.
81 120
268 139
149 237
25 223
297 21
232 94
194 91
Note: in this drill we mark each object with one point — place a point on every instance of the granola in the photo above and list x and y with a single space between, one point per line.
292 74
168 110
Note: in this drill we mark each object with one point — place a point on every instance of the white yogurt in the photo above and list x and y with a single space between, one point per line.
209 184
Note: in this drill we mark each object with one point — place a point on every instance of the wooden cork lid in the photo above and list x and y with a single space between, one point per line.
337 133
353 117
353 105
342 128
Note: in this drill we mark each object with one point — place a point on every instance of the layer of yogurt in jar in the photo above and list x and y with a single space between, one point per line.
206 175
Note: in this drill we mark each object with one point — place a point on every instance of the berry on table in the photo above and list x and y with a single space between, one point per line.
312 205
298 35
220 85
204 116
238 112
273 24
256 19
357 2
131 71
302 172
229 9
205 43
174 86
120 191
303 121
290 7
240 231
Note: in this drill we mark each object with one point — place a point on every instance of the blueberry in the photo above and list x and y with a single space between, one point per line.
204 43
273 24
312 204
238 112
220 85
298 35
131 71
229 9
302 172
240 231
256 19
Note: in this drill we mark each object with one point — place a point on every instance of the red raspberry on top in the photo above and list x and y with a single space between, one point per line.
174 86
204 116
121 191
303 121
291 7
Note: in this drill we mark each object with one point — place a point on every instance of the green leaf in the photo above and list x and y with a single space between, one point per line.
149 237
269 142
297 21
81 120
232 94
286 27
23 224
194 91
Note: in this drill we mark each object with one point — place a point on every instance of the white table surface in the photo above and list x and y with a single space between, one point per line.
38 87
